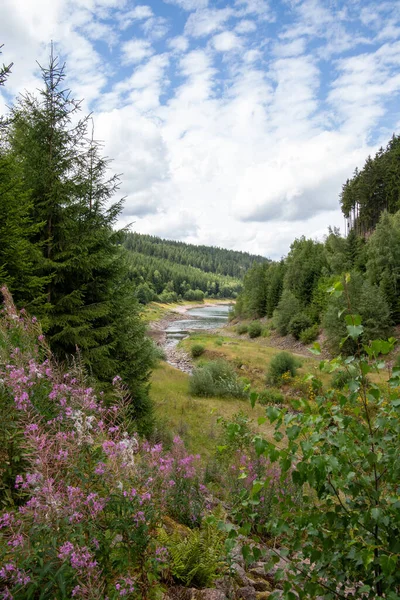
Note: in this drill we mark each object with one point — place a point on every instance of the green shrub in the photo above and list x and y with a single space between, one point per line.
281 363
340 379
219 342
369 303
271 396
242 328
197 350
216 378
310 334
255 329
298 324
287 308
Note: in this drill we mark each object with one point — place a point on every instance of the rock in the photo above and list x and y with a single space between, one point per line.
181 593
260 585
246 593
172 527
240 576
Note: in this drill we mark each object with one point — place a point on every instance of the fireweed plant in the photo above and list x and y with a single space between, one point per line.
342 451
80 517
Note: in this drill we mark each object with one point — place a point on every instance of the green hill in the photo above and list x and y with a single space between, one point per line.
168 270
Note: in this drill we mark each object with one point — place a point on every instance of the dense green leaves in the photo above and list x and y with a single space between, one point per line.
60 254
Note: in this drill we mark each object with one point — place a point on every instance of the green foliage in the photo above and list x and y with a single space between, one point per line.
304 266
276 274
371 306
288 307
271 396
254 329
198 558
345 458
374 189
87 301
216 378
209 259
242 328
281 363
166 277
341 378
197 350
298 324
384 259
194 295
310 334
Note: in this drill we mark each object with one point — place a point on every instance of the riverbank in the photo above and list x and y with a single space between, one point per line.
157 330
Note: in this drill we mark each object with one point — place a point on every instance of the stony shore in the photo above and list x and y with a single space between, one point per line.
157 331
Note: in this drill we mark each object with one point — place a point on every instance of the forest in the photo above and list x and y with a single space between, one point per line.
293 292
169 271
292 490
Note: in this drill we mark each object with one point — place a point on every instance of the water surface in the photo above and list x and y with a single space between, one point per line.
205 318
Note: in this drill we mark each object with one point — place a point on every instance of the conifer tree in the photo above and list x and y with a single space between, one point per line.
18 256
88 303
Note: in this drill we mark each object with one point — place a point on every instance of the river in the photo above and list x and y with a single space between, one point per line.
204 318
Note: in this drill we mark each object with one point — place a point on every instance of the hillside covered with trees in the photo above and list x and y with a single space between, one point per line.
168 270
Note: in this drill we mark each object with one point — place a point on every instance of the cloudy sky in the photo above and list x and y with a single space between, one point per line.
234 122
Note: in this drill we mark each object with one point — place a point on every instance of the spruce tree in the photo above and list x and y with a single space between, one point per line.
18 256
89 304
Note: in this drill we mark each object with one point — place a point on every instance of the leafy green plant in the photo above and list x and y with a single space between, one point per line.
216 378
288 307
298 324
271 396
310 334
197 558
281 363
242 328
197 350
255 329
343 453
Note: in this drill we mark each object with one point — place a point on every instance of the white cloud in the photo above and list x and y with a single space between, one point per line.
245 26
179 43
135 50
244 150
204 22
226 41
189 5
138 13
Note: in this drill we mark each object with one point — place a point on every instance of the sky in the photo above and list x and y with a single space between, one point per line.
234 123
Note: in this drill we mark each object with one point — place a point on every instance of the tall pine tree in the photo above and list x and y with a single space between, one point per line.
89 304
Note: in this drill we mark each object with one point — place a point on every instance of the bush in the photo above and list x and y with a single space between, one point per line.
271 396
344 455
216 378
287 308
197 350
340 379
281 363
255 329
310 334
370 305
242 328
298 324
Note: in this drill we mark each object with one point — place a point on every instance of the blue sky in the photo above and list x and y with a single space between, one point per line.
235 123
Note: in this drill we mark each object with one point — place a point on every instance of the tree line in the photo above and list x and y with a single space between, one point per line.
373 189
294 291
160 279
209 259
60 254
